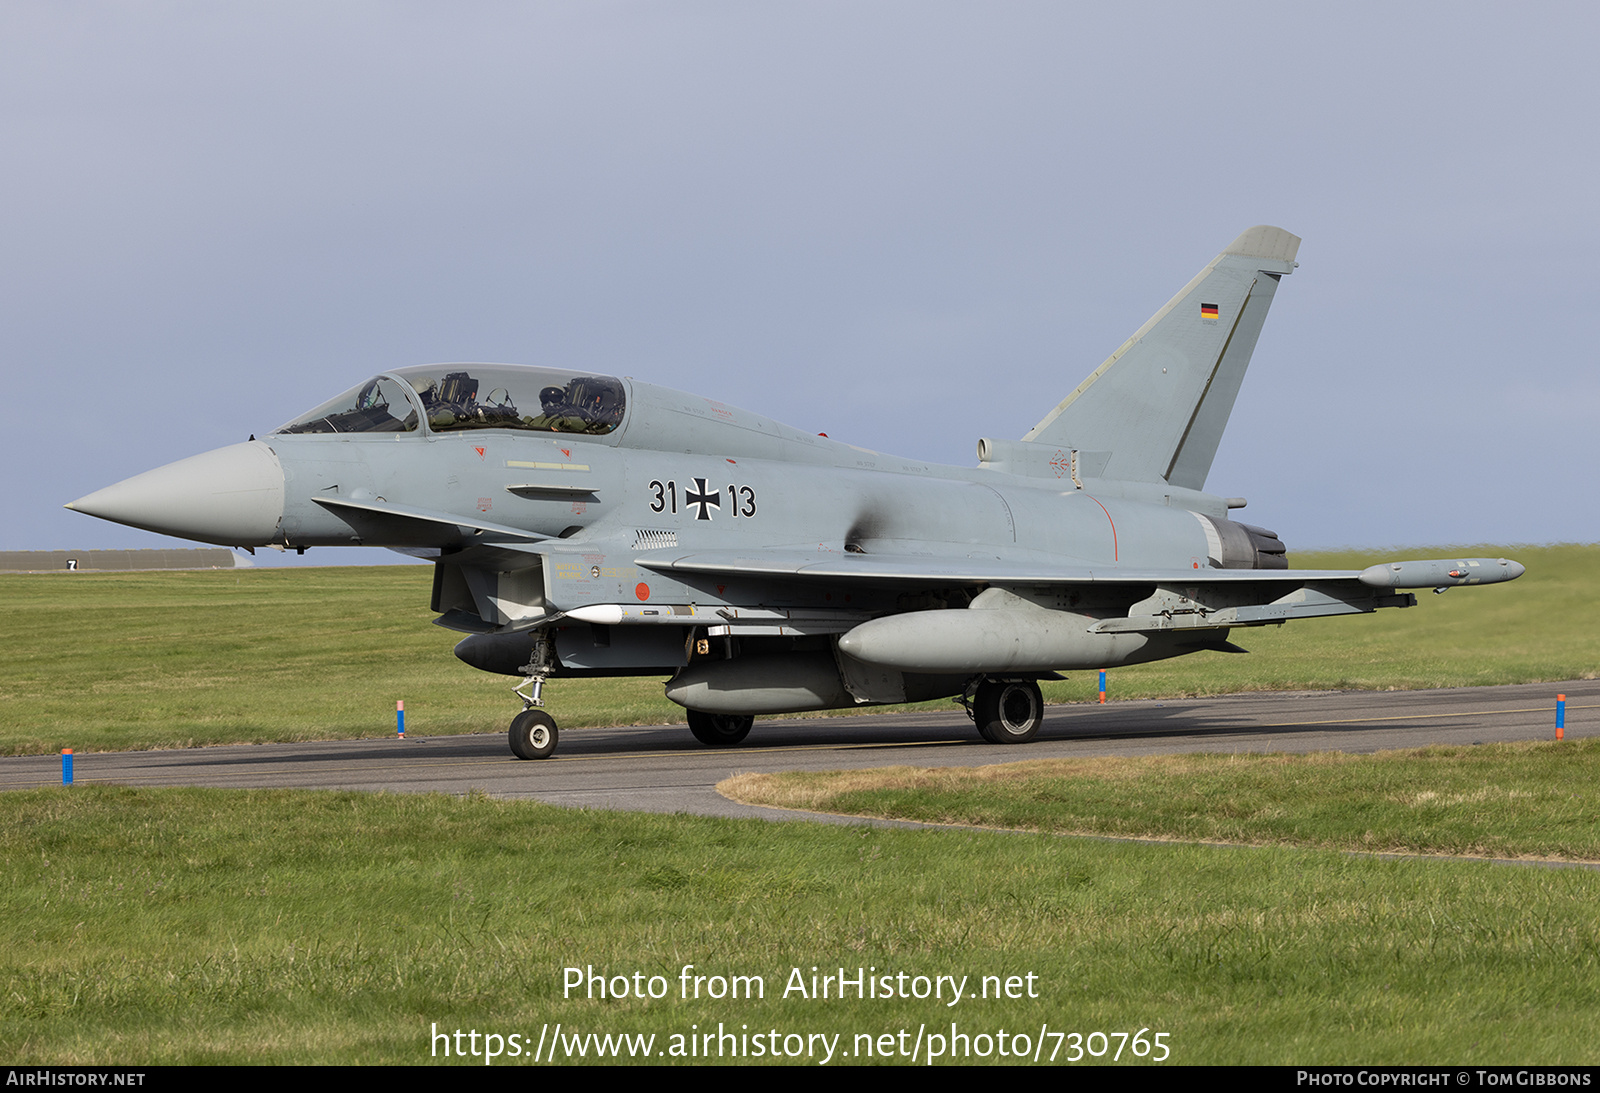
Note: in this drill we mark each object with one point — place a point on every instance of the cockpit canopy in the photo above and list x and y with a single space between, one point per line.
451 397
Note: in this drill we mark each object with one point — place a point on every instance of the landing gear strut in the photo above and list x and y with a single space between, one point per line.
1007 711
719 730
533 732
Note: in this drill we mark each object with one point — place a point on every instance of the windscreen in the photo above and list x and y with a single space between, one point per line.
378 406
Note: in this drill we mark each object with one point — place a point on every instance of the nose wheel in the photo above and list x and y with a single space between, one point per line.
533 735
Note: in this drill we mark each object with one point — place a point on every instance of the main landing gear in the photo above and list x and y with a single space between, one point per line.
720 730
1007 711
533 732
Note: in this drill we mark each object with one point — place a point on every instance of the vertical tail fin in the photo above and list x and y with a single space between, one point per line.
1160 403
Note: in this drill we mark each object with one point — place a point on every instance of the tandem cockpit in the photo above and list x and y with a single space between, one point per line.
458 397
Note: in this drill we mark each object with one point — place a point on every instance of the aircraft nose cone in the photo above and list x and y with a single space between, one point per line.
232 496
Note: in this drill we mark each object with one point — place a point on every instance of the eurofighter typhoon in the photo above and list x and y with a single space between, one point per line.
591 525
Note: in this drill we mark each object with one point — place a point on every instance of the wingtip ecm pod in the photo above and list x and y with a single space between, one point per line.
1441 573
1158 405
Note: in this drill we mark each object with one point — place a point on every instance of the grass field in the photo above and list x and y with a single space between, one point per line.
143 660
1523 800
210 926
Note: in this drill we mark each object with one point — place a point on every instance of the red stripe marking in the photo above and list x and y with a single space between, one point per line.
1113 523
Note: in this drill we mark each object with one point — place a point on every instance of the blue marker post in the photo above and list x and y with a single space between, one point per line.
66 766
1102 686
400 718
1561 717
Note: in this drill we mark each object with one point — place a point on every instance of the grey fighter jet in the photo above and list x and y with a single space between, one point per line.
590 525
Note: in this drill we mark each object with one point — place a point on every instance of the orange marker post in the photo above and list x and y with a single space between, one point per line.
1102 686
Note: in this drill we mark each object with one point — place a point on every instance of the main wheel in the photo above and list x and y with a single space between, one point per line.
720 730
1008 711
533 735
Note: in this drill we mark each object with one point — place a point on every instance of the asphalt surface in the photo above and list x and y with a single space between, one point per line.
663 769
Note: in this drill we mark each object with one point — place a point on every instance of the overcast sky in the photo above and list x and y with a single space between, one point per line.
906 224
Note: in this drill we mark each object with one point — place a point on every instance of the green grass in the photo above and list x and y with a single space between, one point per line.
1531 799
141 660
208 926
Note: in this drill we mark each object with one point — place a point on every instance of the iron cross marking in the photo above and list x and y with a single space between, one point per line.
703 500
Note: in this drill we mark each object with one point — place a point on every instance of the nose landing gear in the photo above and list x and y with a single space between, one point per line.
533 732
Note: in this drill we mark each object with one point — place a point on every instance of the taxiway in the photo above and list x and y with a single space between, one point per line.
662 769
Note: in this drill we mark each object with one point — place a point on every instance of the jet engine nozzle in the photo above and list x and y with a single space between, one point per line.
232 496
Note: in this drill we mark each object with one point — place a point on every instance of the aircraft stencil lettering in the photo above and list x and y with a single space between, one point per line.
628 543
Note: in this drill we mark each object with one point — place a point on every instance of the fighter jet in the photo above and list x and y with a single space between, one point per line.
590 525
